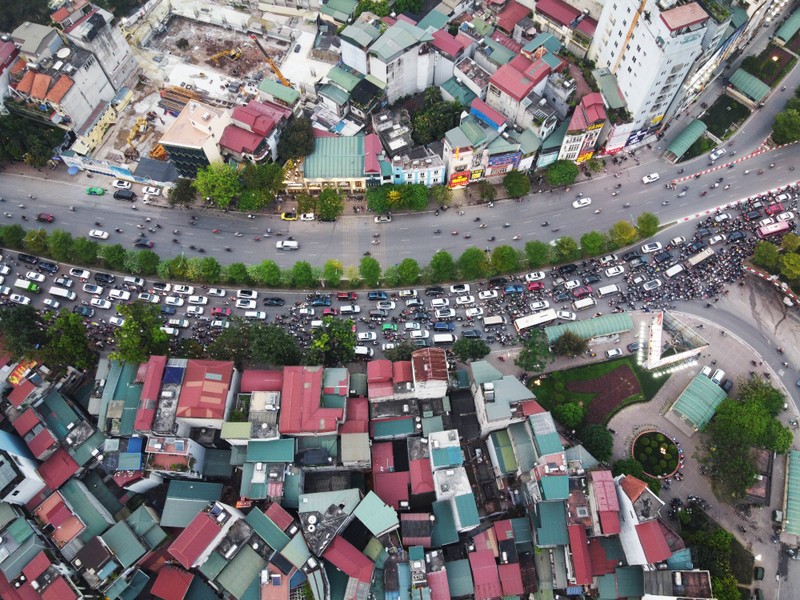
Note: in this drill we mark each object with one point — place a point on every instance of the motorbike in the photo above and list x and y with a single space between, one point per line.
437 231
626 205
555 229
546 223
704 193
476 219
491 239
215 231
597 211
681 195
727 187
454 232
482 226
516 237
467 236
506 225
238 234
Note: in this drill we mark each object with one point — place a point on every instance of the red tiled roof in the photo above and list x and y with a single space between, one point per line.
381 389
512 82
22 391
600 563
269 109
279 516
429 364
557 11
440 587
261 380
382 457
59 589
512 14
653 542
392 488
300 403
442 40
357 419
60 89
372 148
406 19
345 557
605 495
148 399
389 21
587 26
239 140
511 579
41 83
421 476
502 39
484 575
37 566
581 561
57 515
18 66
193 540
26 421
41 442
402 372
379 370
61 14
493 115
172 583
503 530
320 133
253 120
57 469
531 407
632 487
205 389
594 107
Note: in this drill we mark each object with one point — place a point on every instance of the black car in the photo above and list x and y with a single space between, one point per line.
274 301
84 311
637 262
567 269
144 243
662 257
496 282
562 296
434 290
697 246
753 215
628 256
104 278
726 385
168 310
421 315
27 258
471 333
736 236
49 267
377 296
703 232
590 279
634 346
320 301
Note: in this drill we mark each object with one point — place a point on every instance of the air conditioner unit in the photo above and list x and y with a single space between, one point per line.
259 466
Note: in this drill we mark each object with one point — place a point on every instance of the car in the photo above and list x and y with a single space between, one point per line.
629 256
515 288
474 312
148 297
220 324
34 276
497 282
677 241
64 282
116 321
307 217
296 48
785 216
388 327
100 303
445 313
160 286
637 262
736 236
426 343
247 294
389 346
662 257
639 280
539 305
765 222
386 305
98 234
274 301
411 302
440 302
609 259
613 353
651 178
376 314
383 219
95 191
697 246
471 333
151 191
581 202
716 154
434 290
195 311
634 346
571 284
246 304
80 273
28 258
614 271
410 325
422 334
726 386
183 290
487 295
173 301
534 276
535 286
567 269
651 247
465 300
217 292
320 301
718 376
4 290
121 184
45 218
49 267
5 270
582 292
377 296
752 215
444 326
774 209
143 243
198 300
220 311
366 336
84 311
459 288
121 295
566 315
345 296
96 290
562 296
717 239
652 285
722 217
50 303
289 216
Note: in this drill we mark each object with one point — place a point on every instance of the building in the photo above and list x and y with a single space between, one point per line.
584 129
575 28
356 40
192 141
403 59
253 133
8 55
497 397
18 477
516 89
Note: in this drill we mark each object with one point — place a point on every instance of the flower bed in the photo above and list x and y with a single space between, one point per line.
658 455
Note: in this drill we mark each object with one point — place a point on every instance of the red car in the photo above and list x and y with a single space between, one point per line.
45 218
346 296
221 311
582 292
774 209
535 286
330 311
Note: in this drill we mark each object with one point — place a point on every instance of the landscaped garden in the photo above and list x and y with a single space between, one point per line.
771 66
702 146
658 454
724 117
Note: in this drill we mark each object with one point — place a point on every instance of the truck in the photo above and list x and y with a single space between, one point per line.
28 286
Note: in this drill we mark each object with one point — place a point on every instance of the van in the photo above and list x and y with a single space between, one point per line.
124 195
584 303
378 313
315 324
28 286
364 352
718 376
60 292
494 321
442 326
136 282
350 309
674 270
706 371
255 314
170 330
607 290
758 573
287 245
444 338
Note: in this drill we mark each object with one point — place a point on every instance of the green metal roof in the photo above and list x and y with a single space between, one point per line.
609 88
396 40
144 523
459 91
529 142
551 60
555 487
19 530
483 372
498 53
279 91
128 589
238 454
607 587
240 572
340 10
239 430
449 456
83 453
630 582
217 463
271 451
431 425
381 85
522 530
501 145
506 461
291 488
467 510
688 136
250 488
336 157
13 564
7 514
578 452
551 524
791 518
86 507
548 40
267 529
186 499
358 383
359 34
444 528
296 551
545 435
481 26
592 328
459 578
129 461
390 429
789 27
343 78
434 19
213 565
376 515
321 501
475 132
698 402
523 446
749 85
124 544
335 93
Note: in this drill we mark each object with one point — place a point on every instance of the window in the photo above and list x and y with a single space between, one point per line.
15 492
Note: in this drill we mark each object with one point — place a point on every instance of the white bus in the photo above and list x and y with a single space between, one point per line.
534 320
584 303
674 270
695 260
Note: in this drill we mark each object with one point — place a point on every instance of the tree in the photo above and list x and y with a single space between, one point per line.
786 128
306 203
631 466
538 254
232 343
330 205
570 344
144 262
297 140
759 389
622 234
390 276
442 267
182 193
401 351
431 96
790 266
274 346
370 271
16 13
595 165
535 353
380 8
205 269
219 183
434 121
22 330
505 259
517 184
332 272
790 242
566 250
84 251
569 414
593 243
236 273
440 194
766 255
332 344
59 245
36 241
67 344
408 271
408 6
140 335
23 139
561 172
261 183
303 275
469 349
648 224
12 236
472 264
598 442
487 191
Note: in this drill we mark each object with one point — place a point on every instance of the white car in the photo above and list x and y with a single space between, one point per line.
474 312
79 273
651 247
651 178
571 284
245 304
487 295
19 299
581 202
121 185
247 294
183 290
147 297
122 295
195 311
151 191
5 270
716 239
765 222
98 234
367 336
389 346
420 335
218 292
534 276
173 301
722 217
445 313
220 324
465 300
412 326
608 259
198 300
566 315
50 303
96 290
117 321
677 241
651 285
459 288
717 153
540 305
307 217
613 353
614 271
785 216
407 293
440 302
385 305
383 219
34 276
100 303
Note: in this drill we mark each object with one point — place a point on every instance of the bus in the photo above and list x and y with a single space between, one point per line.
695 260
774 229
534 320
64 293
584 303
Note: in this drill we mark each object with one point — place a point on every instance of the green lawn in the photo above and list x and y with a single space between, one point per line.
701 146
724 116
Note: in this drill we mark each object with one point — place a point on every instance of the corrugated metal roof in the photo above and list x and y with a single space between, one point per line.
555 487
393 428
240 572
124 544
271 451
699 401
279 91
688 136
459 91
444 528
459 578
359 34
344 79
267 529
591 328
749 85
396 40
376 515
506 461
336 157
467 510
791 520
296 551
551 524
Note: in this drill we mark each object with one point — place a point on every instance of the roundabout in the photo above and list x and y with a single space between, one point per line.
659 456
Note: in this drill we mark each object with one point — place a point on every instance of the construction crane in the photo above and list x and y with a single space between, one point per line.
271 63
232 53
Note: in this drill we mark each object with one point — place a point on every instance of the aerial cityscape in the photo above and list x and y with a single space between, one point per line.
399 299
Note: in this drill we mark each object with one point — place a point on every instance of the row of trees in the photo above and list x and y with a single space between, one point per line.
784 260
786 128
22 139
254 188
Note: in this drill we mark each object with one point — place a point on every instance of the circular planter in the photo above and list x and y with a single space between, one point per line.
657 453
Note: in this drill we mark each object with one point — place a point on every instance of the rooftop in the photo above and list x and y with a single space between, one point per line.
396 40
683 16
195 125
302 411
194 540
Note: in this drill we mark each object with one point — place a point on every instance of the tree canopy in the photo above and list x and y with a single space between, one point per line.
786 128
517 184
570 344
330 205
390 197
332 344
561 172
431 123
261 183
182 193
23 139
141 335
598 441
648 224
218 182
22 330
67 344
469 349
535 353
297 140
